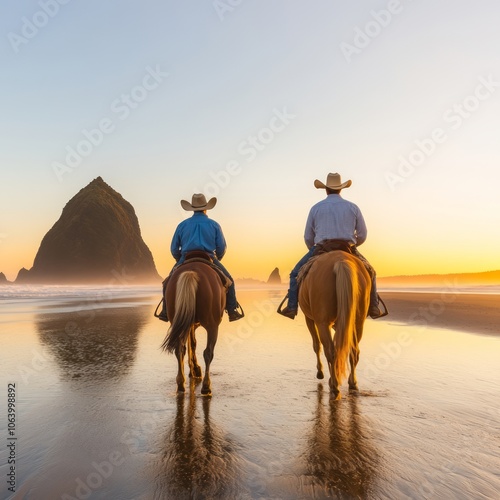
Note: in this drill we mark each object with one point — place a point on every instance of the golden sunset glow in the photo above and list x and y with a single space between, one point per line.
412 120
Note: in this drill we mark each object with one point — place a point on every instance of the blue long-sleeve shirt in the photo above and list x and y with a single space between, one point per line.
335 218
199 232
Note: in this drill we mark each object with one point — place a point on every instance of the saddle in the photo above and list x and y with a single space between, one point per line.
199 255
193 256
206 258
324 247
330 245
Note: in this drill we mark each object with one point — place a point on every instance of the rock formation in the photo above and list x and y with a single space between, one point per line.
274 277
3 279
97 239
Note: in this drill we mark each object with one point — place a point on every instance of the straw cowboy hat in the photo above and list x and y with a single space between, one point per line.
333 181
198 203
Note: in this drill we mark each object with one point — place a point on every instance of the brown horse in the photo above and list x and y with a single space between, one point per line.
336 291
195 296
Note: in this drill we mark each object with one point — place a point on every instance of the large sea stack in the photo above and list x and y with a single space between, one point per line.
97 239
274 277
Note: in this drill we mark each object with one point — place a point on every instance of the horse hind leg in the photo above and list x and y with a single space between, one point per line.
194 367
180 352
325 334
354 354
316 346
353 360
208 355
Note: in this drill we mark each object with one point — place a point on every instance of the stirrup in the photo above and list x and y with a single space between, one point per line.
238 309
385 312
238 306
280 307
161 317
158 307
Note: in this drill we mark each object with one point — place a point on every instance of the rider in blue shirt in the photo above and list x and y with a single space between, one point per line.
199 232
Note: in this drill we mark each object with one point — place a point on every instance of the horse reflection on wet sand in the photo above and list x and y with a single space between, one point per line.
197 461
195 296
335 292
340 458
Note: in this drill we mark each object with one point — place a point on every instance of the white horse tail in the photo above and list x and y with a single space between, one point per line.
185 311
347 298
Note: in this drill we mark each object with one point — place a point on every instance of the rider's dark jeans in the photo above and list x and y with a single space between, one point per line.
293 291
373 276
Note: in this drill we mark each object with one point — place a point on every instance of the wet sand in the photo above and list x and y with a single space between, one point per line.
98 416
477 313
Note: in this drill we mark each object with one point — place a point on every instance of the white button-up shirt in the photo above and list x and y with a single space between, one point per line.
335 218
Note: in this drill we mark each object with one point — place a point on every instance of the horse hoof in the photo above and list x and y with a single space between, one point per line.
320 375
335 396
353 389
205 392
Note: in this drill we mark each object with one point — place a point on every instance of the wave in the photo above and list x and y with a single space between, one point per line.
17 299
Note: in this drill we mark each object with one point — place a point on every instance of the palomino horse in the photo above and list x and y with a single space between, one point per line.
336 291
195 296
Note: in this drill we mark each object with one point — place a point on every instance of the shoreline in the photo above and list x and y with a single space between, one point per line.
468 312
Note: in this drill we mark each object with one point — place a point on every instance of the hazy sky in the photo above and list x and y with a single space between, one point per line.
251 101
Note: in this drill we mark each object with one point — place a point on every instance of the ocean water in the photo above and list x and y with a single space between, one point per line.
93 293
98 415
17 298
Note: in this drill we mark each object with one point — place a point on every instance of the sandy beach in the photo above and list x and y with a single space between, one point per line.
97 415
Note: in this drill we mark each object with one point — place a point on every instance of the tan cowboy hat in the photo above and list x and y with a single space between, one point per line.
198 203
333 181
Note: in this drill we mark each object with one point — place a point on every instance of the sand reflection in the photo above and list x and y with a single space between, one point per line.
101 346
340 458
197 460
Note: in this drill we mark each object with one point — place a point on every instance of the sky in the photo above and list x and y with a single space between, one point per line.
251 101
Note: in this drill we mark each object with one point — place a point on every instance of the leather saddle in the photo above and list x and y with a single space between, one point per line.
206 258
330 245
199 255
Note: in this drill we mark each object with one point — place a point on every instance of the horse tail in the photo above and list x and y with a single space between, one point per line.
347 290
185 311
